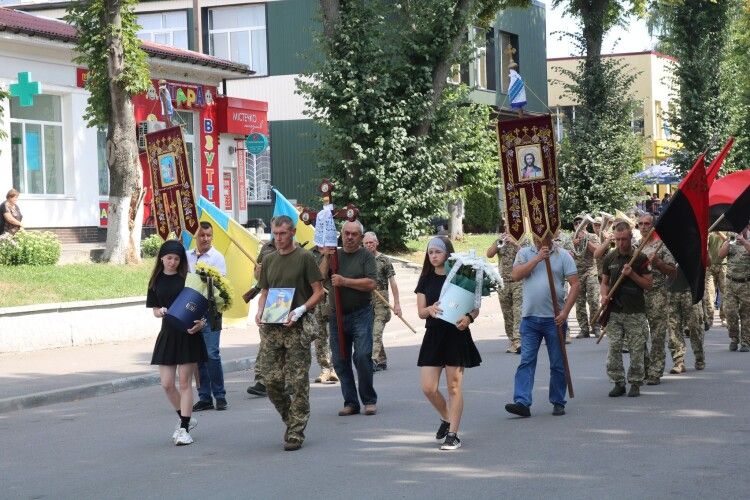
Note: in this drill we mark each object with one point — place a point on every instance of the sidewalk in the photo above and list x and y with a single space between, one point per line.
37 378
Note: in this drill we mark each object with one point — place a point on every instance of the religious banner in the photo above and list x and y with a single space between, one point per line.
529 169
172 199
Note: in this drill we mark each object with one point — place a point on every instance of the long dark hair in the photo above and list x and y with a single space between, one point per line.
166 248
427 267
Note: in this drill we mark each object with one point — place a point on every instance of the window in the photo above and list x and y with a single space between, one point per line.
508 47
258 169
239 34
484 64
168 28
101 150
37 145
659 115
564 116
636 122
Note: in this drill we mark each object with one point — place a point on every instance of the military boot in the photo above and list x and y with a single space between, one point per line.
617 391
635 391
700 364
678 368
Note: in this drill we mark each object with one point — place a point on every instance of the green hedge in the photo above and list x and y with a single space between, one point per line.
32 248
481 214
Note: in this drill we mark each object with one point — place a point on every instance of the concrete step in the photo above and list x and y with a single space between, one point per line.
76 253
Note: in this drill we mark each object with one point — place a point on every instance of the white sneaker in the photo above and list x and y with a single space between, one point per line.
193 423
183 438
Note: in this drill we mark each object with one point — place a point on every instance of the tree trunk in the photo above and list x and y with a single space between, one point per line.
456 219
125 175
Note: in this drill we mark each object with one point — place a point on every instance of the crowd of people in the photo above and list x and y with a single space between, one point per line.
652 304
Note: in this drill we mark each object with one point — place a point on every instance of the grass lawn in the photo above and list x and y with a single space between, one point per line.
479 242
23 285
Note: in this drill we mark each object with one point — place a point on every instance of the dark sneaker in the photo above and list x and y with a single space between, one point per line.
617 391
558 410
583 335
733 346
257 390
292 445
451 442
221 404
518 409
375 367
635 391
744 348
203 405
381 367
653 381
442 430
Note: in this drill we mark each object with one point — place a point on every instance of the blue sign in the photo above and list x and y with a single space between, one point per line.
256 143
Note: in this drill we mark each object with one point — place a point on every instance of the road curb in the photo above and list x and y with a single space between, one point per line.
85 391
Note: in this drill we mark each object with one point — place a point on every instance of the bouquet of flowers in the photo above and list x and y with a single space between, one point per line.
221 291
206 294
468 279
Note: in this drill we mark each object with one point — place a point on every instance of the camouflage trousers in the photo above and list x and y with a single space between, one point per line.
320 340
631 331
381 315
258 368
589 296
685 318
511 297
286 368
657 309
737 303
715 282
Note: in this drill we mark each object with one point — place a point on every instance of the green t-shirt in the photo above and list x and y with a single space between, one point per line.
296 270
359 264
629 296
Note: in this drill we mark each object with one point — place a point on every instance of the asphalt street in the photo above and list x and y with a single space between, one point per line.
686 438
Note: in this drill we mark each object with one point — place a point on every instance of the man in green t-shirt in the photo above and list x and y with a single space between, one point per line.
627 321
286 347
356 280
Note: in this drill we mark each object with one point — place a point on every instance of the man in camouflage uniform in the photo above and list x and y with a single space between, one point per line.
381 312
322 349
511 296
627 321
286 347
715 279
737 298
259 387
685 318
582 247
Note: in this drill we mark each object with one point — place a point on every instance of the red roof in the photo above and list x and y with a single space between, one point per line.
15 21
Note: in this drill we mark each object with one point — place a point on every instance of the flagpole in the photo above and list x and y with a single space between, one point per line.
560 333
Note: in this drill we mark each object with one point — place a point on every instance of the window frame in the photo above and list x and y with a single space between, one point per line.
245 29
170 31
258 163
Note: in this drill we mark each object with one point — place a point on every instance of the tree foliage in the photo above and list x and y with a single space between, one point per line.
695 32
4 94
735 81
396 137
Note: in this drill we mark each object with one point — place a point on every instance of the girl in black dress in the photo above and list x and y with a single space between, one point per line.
175 350
445 346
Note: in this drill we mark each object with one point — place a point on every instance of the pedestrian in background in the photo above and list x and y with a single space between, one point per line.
510 295
10 214
175 350
445 346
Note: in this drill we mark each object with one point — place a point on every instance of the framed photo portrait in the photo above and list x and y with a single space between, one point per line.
529 162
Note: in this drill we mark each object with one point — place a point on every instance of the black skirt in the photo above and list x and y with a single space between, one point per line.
445 345
174 347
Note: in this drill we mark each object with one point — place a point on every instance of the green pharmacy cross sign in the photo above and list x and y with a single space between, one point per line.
25 89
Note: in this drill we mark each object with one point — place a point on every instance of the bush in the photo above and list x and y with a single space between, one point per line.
32 248
481 213
150 246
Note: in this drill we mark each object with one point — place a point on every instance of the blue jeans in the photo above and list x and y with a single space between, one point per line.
357 334
533 330
211 372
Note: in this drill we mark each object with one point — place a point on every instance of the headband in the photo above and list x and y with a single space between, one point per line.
172 246
437 243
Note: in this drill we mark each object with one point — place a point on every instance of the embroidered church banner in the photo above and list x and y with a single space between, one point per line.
529 171
173 200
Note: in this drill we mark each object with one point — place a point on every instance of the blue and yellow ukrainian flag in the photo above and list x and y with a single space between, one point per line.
305 233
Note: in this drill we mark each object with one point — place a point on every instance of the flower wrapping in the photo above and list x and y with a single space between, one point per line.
473 274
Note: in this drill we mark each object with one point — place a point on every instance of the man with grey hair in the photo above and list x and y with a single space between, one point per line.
356 280
381 312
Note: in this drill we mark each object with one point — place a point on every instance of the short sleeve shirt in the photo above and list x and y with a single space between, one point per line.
355 265
506 255
430 286
738 262
384 271
212 258
629 297
296 270
537 300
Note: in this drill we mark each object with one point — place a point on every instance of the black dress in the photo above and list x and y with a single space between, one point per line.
443 343
173 346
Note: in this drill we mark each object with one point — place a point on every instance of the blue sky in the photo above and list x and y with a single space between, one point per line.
633 38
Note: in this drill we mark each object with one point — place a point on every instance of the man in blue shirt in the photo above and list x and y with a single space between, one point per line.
539 321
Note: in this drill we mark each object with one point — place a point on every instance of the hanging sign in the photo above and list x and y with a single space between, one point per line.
256 143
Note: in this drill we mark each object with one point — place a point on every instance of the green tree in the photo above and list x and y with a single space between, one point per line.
118 69
695 32
387 112
4 94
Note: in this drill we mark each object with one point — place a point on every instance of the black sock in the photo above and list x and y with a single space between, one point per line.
185 423
179 413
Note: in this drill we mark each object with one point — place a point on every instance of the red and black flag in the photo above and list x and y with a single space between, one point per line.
683 226
730 197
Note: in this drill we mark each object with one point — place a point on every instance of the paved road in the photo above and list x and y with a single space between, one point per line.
687 438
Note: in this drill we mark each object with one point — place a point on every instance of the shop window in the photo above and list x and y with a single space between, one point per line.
509 52
258 169
101 153
239 34
168 28
37 145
